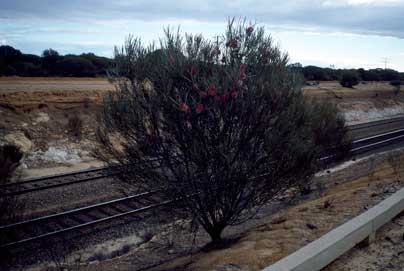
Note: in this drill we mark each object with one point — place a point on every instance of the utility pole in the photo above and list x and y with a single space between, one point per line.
385 61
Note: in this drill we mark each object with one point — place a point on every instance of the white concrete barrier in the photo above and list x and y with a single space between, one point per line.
330 246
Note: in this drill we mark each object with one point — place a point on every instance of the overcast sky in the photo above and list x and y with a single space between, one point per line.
344 33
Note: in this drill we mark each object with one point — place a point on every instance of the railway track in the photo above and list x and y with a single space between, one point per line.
23 232
48 182
378 123
37 184
52 225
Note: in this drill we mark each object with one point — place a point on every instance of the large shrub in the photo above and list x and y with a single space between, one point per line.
349 79
225 118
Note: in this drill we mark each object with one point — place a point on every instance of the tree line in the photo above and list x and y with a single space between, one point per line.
314 73
15 63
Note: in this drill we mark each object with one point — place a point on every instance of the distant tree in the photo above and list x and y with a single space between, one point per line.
314 73
226 119
50 53
9 55
349 79
28 58
75 66
389 74
369 75
9 71
296 65
26 69
50 58
102 64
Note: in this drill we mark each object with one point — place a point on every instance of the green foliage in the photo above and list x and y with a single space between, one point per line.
51 63
349 79
369 75
314 73
50 59
76 66
226 118
48 65
50 53
389 75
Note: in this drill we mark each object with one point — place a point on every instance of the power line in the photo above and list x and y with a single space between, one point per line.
385 60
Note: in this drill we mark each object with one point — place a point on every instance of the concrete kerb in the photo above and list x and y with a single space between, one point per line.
330 246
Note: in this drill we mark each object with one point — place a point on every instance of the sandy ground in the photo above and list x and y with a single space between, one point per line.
46 84
35 115
40 172
342 194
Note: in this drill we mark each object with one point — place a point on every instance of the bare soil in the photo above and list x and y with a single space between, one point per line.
279 229
35 114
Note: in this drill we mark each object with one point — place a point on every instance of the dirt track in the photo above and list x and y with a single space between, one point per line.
18 84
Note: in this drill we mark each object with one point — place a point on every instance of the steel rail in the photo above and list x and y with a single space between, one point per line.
77 210
92 222
376 123
56 178
369 146
86 179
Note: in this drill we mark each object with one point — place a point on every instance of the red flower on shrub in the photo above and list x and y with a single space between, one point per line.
171 59
232 43
234 94
225 97
243 76
194 70
212 90
249 30
150 139
239 83
184 108
199 108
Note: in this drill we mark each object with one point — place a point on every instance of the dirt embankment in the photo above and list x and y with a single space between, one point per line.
39 115
368 101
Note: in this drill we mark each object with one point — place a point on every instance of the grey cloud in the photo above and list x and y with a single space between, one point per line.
384 20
